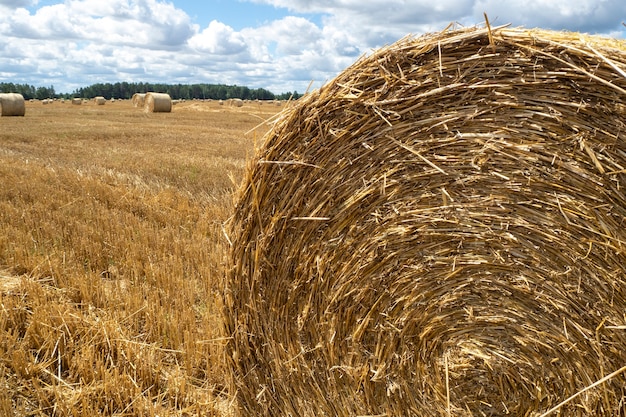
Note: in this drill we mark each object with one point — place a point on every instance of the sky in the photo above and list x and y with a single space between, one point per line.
280 45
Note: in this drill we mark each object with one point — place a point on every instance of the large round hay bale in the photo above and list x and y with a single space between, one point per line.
77 101
440 230
138 99
158 103
100 101
12 104
236 102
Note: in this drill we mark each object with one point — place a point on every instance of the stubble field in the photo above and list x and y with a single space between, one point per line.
112 251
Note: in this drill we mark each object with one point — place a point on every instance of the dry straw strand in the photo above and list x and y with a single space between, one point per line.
12 104
582 391
438 231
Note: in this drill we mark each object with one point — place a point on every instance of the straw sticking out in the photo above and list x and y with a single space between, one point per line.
439 231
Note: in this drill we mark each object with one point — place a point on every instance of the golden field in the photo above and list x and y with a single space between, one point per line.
112 252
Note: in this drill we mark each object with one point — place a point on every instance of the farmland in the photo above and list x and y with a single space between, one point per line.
112 252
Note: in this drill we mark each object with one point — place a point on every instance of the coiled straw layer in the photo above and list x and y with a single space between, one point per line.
440 230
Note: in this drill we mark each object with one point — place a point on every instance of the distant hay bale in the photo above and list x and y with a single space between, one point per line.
77 101
158 103
237 102
221 102
440 230
138 99
100 101
12 104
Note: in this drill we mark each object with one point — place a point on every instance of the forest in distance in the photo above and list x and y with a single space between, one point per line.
125 90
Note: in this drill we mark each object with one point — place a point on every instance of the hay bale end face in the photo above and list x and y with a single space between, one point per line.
12 104
439 231
158 103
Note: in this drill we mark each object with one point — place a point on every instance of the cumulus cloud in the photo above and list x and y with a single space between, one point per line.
74 43
218 38
14 4
381 11
594 16
289 36
140 22
378 22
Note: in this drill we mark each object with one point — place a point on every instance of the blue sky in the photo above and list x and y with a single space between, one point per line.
238 15
280 45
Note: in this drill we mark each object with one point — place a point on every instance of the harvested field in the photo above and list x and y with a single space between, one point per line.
112 253
439 231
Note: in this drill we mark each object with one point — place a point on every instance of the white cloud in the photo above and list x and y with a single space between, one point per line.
293 35
413 16
14 4
75 43
370 24
595 16
381 12
140 22
219 39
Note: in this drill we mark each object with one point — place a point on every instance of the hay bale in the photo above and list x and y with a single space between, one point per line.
12 104
138 99
237 102
158 103
100 101
440 230
77 101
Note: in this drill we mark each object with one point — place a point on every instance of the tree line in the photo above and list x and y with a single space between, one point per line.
125 90
28 91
